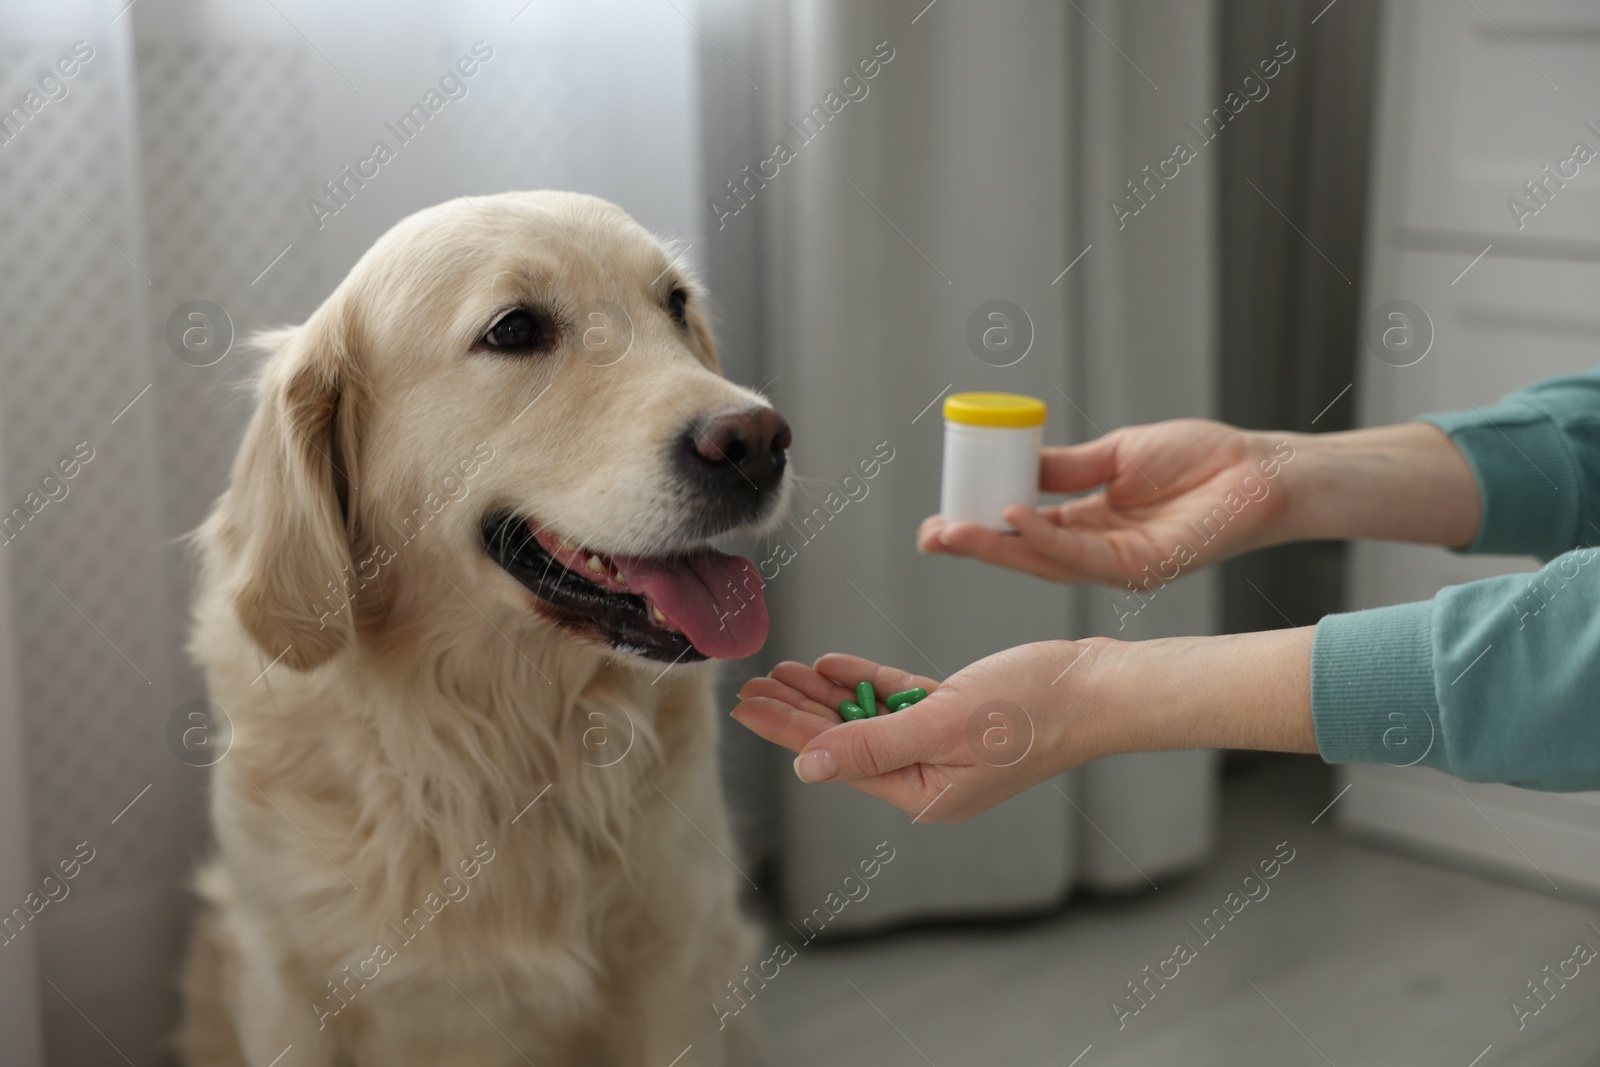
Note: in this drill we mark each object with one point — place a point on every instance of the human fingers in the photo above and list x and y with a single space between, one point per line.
869 748
922 792
928 534
846 670
1083 554
1003 550
774 689
1074 468
815 687
912 789
780 722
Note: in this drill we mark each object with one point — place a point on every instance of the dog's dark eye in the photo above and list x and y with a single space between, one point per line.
521 330
678 305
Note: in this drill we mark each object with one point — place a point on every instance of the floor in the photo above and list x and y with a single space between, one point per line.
1354 956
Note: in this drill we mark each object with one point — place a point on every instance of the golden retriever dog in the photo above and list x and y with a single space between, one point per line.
457 601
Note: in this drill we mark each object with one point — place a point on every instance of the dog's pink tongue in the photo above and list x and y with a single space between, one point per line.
715 599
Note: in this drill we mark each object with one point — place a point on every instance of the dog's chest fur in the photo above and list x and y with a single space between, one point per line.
469 818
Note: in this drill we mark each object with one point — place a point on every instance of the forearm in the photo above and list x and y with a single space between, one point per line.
1237 691
1391 483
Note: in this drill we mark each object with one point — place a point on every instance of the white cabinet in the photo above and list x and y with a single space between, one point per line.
1467 114
1493 99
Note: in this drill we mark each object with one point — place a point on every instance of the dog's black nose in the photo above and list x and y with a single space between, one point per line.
741 449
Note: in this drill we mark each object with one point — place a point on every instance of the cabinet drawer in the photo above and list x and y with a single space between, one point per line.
1492 100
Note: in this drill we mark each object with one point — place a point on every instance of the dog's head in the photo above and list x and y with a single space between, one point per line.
518 396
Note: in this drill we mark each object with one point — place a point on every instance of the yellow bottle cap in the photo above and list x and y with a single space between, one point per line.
994 409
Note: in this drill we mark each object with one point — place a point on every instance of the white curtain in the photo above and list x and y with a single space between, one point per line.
176 163
976 167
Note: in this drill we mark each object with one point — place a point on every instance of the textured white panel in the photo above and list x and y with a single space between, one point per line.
525 132
93 647
225 130
178 169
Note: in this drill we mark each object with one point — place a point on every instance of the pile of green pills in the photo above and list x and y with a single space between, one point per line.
865 705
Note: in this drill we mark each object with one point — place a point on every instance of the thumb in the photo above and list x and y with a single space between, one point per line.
1071 468
867 748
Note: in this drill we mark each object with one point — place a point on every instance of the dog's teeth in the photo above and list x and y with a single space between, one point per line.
619 579
655 613
596 566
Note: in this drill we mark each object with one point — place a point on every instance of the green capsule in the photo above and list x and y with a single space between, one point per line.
867 697
905 698
850 711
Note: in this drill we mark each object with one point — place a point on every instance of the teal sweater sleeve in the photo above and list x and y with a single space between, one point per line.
1536 456
1494 680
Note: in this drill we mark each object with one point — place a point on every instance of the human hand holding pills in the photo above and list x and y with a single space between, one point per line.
922 747
1159 485
1013 719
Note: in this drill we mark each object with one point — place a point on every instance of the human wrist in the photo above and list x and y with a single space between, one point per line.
1233 691
1398 483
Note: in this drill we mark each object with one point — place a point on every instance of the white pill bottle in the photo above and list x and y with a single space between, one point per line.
991 456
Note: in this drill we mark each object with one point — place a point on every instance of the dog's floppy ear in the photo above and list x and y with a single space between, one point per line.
288 515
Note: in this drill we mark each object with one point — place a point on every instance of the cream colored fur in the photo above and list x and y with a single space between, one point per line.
396 742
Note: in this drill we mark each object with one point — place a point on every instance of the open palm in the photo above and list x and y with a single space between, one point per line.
987 732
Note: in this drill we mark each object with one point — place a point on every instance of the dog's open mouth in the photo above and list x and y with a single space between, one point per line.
681 608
